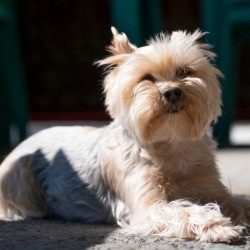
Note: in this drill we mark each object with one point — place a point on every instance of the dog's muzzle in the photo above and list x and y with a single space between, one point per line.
173 97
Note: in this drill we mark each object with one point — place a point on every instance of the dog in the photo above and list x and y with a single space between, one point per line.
152 170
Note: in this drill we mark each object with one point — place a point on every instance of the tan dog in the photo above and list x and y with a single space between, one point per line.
152 170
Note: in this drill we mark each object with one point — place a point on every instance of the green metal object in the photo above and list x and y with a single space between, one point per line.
228 22
13 101
139 19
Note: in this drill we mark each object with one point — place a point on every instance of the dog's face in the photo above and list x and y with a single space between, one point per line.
167 90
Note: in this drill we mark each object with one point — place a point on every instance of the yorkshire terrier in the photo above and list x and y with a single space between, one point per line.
152 170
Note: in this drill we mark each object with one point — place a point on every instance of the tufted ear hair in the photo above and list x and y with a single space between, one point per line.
194 38
120 49
120 43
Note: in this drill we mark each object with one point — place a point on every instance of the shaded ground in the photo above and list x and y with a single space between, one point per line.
57 234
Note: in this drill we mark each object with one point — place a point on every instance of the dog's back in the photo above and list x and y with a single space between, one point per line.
54 173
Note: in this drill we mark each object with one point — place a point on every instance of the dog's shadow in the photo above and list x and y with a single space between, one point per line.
60 234
52 234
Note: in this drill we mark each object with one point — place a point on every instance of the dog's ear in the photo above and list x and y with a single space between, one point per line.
120 44
187 37
197 37
120 49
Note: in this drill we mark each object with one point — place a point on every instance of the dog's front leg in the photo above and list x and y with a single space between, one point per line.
238 209
150 209
151 213
184 219
211 190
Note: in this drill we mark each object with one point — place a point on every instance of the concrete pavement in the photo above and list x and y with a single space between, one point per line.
234 165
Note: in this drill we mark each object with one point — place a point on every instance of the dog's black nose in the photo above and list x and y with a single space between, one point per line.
172 94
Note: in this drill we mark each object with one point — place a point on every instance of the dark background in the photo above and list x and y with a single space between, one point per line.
62 38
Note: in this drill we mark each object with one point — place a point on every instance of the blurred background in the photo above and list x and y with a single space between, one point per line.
48 47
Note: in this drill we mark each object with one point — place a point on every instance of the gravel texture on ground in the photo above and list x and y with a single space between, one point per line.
57 234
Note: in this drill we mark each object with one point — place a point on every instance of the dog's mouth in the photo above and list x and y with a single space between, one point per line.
174 109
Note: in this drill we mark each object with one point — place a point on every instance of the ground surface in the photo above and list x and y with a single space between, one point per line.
57 234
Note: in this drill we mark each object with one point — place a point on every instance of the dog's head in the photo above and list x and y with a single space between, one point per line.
167 90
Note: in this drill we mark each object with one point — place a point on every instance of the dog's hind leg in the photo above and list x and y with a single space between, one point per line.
20 194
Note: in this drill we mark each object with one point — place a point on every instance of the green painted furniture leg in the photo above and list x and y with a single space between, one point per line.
13 109
139 19
224 20
126 17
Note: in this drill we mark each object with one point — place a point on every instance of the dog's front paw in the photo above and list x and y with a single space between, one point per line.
221 233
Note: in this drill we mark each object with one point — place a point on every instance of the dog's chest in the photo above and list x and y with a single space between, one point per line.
172 172
174 162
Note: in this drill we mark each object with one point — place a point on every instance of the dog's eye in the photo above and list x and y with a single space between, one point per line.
184 72
148 78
